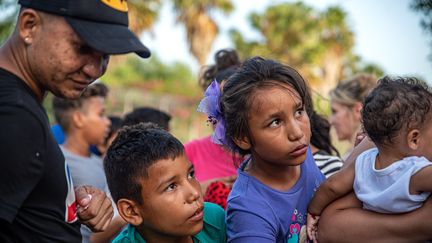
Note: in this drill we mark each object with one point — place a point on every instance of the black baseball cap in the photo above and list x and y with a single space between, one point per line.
102 24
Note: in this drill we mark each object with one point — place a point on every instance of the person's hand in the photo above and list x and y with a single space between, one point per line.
312 227
359 137
94 208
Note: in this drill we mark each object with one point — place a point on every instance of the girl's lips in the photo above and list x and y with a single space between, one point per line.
300 150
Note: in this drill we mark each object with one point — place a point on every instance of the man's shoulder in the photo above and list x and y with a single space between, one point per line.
13 91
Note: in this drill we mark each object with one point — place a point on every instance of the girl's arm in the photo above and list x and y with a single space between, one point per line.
345 221
335 187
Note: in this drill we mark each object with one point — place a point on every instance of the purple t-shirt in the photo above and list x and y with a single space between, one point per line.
258 213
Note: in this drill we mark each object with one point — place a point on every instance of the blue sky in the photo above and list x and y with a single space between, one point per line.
387 33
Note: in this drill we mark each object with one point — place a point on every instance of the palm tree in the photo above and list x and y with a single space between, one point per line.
142 14
201 29
9 11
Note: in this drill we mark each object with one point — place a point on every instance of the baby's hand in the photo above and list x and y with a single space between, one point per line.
312 227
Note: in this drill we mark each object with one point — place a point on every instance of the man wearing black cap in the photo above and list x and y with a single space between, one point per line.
60 47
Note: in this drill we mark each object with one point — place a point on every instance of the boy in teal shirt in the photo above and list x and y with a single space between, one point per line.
153 184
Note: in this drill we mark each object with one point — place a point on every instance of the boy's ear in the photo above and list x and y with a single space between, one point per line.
129 211
413 139
243 143
77 119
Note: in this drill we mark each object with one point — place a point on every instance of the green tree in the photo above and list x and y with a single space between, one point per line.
318 44
9 11
425 8
142 14
201 28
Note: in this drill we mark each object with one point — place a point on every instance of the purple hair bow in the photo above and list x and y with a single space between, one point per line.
210 106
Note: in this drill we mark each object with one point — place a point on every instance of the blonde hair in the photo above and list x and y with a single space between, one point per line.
350 91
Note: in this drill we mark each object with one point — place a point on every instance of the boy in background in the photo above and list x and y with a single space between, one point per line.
153 184
85 123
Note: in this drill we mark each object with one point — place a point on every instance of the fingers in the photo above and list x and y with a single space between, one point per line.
103 217
103 224
98 212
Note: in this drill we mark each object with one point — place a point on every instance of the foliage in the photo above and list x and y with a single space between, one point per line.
318 44
425 8
201 29
142 14
9 11
176 78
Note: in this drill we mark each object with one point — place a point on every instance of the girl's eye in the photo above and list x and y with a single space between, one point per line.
171 187
300 112
191 175
275 123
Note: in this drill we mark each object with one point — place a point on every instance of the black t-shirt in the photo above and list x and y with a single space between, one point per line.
37 201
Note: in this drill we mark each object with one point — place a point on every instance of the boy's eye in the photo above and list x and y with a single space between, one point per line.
275 123
171 187
191 175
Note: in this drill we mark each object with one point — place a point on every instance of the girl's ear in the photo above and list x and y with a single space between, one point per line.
243 143
357 110
129 211
413 139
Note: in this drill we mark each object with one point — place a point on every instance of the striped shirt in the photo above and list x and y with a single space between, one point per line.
328 164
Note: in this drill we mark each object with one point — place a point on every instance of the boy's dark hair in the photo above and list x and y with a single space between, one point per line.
147 114
320 128
62 107
226 63
255 73
395 105
116 124
132 152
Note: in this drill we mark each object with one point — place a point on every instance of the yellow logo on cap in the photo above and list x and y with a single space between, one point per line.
120 5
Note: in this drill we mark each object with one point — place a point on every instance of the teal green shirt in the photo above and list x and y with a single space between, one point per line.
214 229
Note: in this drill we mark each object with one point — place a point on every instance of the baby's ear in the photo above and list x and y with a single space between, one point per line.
413 139
243 143
129 211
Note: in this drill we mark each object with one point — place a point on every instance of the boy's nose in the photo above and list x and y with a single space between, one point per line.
193 192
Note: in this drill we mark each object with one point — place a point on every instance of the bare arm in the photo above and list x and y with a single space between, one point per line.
335 187
421 181
364 145
345 221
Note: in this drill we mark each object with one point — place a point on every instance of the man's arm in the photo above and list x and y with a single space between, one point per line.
345 221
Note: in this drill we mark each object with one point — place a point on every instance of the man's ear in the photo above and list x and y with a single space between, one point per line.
413 139
29 22
129 211
243 143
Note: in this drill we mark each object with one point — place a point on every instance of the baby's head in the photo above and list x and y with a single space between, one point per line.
259 83
398 112
153 183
